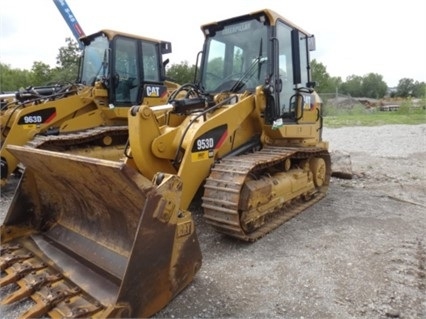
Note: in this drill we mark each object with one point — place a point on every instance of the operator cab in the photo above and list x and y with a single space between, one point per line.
124 63
258 49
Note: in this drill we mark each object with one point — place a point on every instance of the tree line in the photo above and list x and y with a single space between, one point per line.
370 85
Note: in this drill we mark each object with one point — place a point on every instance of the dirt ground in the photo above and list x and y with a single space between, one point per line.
358 253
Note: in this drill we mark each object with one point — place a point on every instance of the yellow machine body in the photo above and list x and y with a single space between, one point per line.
246 139
92 112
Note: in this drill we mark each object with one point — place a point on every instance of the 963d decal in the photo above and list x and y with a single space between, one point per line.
38 117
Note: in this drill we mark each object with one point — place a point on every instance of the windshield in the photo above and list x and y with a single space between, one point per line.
95 60
235 57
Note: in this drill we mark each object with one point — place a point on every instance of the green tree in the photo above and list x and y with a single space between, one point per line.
67 62
370 85
324 82
352 85
320 76
41 74
181 73
13 79
373 86
406 87
419 89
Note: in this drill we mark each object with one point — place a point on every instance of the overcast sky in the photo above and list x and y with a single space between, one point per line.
352 37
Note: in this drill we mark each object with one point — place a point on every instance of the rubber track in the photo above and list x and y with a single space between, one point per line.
226 180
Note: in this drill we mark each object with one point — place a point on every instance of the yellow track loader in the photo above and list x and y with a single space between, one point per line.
99 238
117 70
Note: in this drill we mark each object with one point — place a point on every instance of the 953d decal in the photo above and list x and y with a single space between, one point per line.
204 146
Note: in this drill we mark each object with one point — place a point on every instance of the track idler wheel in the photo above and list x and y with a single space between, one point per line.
319 170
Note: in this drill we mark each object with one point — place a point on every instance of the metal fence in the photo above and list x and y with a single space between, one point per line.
338 100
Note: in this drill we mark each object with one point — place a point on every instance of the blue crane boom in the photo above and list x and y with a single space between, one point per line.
70 19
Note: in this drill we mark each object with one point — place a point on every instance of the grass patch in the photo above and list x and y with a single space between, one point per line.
359 115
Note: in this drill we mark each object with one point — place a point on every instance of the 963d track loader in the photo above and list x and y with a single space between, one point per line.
93 237
117 70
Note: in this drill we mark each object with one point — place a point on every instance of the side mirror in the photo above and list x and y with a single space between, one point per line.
311 43
165 47
311 84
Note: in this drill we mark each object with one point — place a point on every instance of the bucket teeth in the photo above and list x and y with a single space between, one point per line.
7 248
20 269
31 283
54 295
76 307
48 297
9 258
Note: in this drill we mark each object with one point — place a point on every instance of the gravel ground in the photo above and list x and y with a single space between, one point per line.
358 253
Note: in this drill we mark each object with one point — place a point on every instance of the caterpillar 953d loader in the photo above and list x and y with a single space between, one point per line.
117 70
92 237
